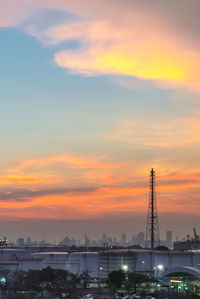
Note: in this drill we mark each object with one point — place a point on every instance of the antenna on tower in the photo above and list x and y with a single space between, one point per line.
152 229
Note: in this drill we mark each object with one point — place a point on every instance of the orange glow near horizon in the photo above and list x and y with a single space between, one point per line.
110 197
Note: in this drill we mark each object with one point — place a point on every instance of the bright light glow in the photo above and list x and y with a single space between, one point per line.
160 267
2 280
125 267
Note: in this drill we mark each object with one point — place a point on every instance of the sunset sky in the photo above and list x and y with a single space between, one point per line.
94 93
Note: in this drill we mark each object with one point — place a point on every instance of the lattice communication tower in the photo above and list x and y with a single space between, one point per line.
152 229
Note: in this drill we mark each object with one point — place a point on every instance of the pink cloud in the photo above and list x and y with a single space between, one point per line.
129 38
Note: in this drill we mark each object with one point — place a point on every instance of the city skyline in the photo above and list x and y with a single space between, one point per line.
104 241
93 95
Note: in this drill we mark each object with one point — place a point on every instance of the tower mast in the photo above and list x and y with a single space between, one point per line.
152 230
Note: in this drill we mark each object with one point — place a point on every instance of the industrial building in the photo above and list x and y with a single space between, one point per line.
99 264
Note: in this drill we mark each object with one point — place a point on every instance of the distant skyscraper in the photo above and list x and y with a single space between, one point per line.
169 238
140 239
28 241
20 242
124 239
87 241
104 237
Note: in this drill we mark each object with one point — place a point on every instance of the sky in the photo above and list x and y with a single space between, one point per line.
93 95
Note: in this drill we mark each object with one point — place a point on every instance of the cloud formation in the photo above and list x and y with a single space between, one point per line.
98 192
178 132
71 161
98 202
157 40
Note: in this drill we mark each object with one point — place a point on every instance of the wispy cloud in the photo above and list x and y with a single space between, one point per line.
67 169
71 161
144 133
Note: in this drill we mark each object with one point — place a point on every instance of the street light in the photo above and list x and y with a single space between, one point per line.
158 271
160 267
125 267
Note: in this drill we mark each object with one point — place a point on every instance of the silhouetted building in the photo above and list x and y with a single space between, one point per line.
168 241
123 239
20 242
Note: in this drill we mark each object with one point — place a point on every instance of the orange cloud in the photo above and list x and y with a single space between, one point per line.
70 170
177 176
103 201
103 178
72 161
20 180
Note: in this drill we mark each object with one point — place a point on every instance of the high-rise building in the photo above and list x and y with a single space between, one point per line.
140 239
29 241
20 242
123 239
168 241
86 241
